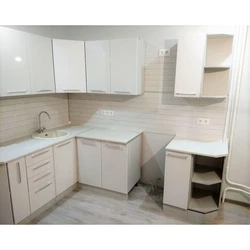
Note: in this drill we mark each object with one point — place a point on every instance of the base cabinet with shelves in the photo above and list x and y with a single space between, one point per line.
193 182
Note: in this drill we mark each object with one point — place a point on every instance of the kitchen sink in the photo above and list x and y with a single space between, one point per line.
51 134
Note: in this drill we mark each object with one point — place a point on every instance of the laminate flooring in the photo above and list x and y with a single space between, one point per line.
89 205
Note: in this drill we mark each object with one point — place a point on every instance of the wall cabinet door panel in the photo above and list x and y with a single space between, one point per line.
40 64
98 66
69 63
14 66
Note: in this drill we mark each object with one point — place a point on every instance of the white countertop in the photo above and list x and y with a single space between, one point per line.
110 135
28 145
211 149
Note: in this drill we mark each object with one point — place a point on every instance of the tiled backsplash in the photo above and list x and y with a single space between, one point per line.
18 115
157 110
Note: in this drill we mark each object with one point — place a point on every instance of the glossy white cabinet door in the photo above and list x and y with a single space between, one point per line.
40 64
114 167
177 179
69 63
14 66
127 60
19 189
98 66
190 65
89 162
65 158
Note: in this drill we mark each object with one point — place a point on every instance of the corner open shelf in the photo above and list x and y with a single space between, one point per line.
217 66
206 184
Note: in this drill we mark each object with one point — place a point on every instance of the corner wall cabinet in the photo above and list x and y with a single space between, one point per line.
203 65
69 63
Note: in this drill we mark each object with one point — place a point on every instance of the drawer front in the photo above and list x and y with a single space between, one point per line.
42 194
38 156
40 167
41 178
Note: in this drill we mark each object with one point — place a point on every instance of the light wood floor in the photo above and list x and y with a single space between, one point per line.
88 205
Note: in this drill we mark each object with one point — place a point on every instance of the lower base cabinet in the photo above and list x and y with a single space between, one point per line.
65 158
19 189
112 166
42 194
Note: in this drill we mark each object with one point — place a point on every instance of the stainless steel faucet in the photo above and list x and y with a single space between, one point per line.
41 129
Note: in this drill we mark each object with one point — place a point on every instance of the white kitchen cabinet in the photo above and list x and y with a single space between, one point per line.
189 65
19 189
98 66
121 164
40 64
177 181
127 66
65 159
69 64
14 66
89 162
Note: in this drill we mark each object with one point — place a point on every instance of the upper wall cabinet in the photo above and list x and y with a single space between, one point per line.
14 66
127 66
98 66
203 65
189 65
41 64
69 64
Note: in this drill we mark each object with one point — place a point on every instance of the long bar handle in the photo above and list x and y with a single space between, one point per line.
64 144
19 173
44 90
114 146
40 189
71 90
42 177
41 165
191 94
33 156
97 91
18 91
122 92
177 156
88 143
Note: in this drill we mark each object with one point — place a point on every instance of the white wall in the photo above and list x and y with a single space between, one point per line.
240 157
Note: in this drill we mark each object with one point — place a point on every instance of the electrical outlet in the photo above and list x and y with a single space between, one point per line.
164 52
203 121
107 112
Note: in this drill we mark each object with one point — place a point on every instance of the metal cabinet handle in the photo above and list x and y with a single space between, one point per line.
33 156
19 173
40 189
114 146
64 144
122 92
44 90
192 94
97 90
42 177
18 91
41 165
88 143
71 90
177 156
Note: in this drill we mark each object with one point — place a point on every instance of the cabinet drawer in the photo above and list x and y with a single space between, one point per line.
38 156
41 178
42 194
40 167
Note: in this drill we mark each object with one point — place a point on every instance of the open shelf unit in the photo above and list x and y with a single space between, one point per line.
206 184
217 65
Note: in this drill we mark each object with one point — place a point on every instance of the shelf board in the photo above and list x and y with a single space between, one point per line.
203 205
207 178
